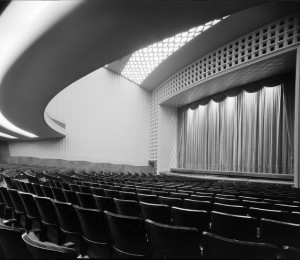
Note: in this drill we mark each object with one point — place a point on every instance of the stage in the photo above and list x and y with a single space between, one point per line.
282 179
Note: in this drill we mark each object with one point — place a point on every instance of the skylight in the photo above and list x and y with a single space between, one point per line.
145 60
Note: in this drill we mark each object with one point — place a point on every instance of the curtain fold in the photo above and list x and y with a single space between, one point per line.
249 129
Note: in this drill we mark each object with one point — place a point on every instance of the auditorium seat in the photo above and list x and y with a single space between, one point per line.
199 219
257 204
94 232
47 191
197 204
29 187
128 189
58 194
230 209
280 233
148 198
128 236
168 241
57 184
111 193
50 229
295 217
234 226
125 195
71 197
289 252
9 206
179 195
11 243
227 201
156 212
98 191
41 250
202 198
74 187
85 189
260 213
105 203
68 223
250 198
176 202
143 191
218 247
65 186
38 190
86 200
128 207
20 212
31 209
285 207
160 193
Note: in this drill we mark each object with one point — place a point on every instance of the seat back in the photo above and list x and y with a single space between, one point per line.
38 190
65 212
218 247
112 193
105 203
47 191
230 209
16 200
148 198
280 233
171 202
95 232
12 243
58 194
98 191
128 235
196 204
46 250
260 213
71 197
128 207
86 200
85 189
290 252
30 205
228 201
173 241
125 195
7 200
202 198
157 212
46 210
29 187
234 226
199 219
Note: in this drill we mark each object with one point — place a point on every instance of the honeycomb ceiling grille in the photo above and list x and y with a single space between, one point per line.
145 60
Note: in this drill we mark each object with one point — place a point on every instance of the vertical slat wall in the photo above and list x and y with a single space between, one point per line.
107 120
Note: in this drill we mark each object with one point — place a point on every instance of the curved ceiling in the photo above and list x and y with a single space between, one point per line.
85 37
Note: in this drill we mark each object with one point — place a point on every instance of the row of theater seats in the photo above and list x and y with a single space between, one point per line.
127 208
253 206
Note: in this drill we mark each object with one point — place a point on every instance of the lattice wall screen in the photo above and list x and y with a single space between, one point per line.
273 37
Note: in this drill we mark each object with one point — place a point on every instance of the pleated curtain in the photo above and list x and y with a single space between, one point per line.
247 132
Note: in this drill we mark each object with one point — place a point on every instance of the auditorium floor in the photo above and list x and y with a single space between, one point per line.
224 178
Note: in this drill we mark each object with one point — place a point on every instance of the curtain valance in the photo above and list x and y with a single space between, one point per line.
250 88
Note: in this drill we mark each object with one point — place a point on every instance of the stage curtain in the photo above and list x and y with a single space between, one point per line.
247 129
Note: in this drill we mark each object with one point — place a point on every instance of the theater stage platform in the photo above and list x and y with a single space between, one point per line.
283 179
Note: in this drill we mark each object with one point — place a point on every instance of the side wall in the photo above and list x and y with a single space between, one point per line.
167 136
107 120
